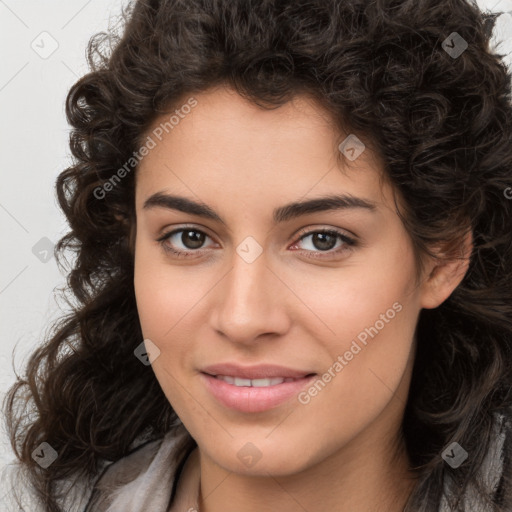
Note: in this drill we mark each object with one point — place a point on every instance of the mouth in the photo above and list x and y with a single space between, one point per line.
254 395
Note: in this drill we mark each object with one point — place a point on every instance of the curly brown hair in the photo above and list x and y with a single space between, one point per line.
443 127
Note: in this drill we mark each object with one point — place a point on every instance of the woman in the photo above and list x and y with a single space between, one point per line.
293 266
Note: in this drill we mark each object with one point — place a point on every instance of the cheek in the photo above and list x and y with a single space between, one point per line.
344 301
164 292
371 310
169 299
162 307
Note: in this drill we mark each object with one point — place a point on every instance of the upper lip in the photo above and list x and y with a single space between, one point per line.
261 371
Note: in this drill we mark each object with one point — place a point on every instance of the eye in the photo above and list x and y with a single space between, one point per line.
324 241
191 238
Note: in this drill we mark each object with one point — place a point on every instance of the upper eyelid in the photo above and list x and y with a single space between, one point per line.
167 232
338 231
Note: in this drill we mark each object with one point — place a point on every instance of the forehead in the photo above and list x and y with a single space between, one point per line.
228 145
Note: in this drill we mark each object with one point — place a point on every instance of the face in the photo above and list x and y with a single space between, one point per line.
329 292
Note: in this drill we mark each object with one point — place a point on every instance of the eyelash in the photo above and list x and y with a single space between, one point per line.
347 241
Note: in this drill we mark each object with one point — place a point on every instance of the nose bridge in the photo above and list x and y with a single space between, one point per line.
248 302
247 286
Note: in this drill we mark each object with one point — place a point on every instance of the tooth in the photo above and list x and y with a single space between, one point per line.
267 382
242 382
227 378
259 383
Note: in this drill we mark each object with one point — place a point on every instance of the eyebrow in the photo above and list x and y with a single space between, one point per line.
281 214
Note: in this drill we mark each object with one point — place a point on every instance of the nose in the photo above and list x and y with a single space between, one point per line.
251 301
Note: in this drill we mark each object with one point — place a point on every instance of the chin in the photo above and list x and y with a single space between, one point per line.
253 459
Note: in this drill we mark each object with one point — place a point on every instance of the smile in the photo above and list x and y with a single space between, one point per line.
253 395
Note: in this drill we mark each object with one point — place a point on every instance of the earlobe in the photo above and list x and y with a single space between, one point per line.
446 274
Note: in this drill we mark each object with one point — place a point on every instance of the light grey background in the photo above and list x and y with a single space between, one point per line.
34 150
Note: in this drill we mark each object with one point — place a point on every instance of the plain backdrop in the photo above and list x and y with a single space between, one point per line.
42 48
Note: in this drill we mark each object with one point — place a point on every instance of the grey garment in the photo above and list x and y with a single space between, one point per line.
144 479
491 471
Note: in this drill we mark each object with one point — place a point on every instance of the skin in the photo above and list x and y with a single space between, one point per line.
341 451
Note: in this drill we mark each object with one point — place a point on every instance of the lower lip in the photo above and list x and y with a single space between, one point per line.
253 399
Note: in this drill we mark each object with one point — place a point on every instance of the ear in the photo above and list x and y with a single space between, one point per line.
444 273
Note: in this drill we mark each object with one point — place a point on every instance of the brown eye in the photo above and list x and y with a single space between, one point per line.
324 241
183 242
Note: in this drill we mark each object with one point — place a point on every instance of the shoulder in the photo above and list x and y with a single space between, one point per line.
143 478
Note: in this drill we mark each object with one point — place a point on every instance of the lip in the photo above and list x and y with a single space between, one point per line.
261 371
253 399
